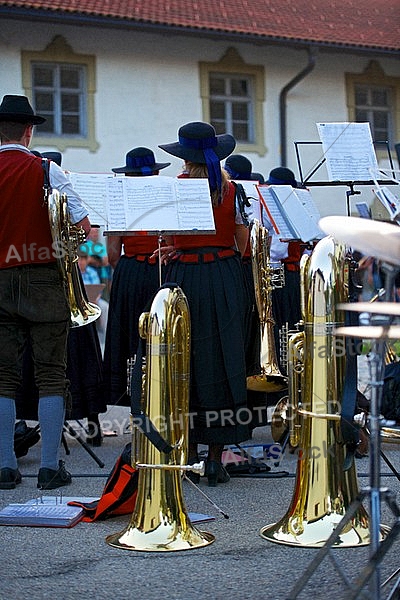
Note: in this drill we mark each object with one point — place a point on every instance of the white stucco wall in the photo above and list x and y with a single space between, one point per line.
148 85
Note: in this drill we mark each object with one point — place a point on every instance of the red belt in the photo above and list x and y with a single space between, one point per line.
205 257
292 266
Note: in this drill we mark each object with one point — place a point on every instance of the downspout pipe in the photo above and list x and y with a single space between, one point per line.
283 102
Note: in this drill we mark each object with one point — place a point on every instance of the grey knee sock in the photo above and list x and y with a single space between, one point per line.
51 419
7 428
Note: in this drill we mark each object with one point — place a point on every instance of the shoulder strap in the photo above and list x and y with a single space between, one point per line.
242 201
46 180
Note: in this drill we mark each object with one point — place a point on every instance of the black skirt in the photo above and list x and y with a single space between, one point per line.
216 295
134 285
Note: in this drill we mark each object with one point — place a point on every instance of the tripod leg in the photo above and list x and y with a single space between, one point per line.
82 442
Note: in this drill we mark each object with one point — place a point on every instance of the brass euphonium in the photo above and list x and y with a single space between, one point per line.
266 278
323 489
160 522
66 240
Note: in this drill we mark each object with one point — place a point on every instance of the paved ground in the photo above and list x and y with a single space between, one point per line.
41 563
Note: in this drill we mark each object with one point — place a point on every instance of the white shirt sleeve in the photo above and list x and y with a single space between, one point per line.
60 181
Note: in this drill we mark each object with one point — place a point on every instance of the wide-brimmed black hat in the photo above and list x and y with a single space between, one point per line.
196 138
18 110
282 176
238 166
141 160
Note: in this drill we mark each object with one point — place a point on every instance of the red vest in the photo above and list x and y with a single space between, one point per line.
25 235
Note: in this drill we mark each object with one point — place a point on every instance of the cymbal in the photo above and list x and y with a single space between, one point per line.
373 332
374 308
372 238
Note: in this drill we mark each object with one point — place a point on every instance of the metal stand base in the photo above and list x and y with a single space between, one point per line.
374 561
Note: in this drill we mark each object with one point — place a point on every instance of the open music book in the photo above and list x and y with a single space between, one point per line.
291 212
146 205
41 515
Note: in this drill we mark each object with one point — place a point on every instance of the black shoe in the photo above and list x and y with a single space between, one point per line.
49 479
9 478
216 473
24 438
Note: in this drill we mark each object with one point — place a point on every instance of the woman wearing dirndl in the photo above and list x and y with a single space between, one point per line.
208 269
136 278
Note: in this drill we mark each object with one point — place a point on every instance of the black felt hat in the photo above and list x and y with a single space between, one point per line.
238 166
196 139
18 110
141 160
282 176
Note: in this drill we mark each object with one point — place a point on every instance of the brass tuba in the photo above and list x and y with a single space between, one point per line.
160 522
66 240
323 489
266 278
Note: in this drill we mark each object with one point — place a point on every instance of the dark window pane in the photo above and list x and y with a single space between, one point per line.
43 76
239 111
361 116
217 86
69 78
70 103
379 98
239 87
241 132
44 102
219 127
48 126
217 110
70 124
361 96
381 119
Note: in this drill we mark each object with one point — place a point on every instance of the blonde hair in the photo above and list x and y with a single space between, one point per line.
200 171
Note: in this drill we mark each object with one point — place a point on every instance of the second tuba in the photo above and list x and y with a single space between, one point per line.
160 522
66 240
266 278
324 490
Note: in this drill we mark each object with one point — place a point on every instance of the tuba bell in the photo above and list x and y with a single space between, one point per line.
160 522
66 240
324 490
266 278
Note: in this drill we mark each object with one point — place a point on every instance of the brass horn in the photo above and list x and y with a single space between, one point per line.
323 489
160 522
266 278
66 240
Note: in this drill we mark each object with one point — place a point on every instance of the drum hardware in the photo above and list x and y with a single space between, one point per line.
383 241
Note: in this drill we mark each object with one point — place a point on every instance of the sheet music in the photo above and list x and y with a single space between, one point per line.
301 213
348 149
275 214
158 204
92 188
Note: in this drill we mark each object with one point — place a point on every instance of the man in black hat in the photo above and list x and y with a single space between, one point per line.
33 302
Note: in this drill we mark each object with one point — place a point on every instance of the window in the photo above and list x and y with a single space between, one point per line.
233 95
373 104
58 95
375 98
61 86
231 106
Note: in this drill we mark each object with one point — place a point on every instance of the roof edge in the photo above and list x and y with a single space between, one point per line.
83 19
